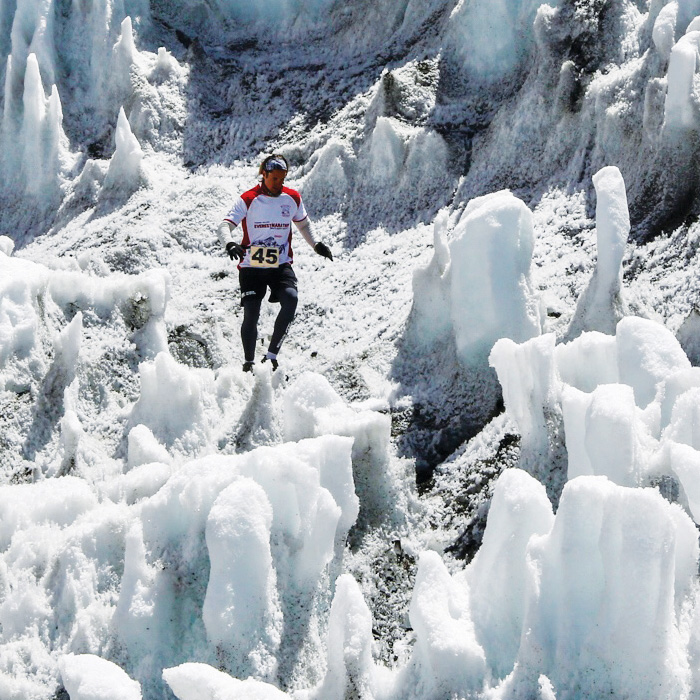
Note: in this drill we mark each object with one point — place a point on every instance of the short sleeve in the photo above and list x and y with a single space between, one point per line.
301 211
238 212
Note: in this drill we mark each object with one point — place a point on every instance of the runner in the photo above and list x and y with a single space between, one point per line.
265 256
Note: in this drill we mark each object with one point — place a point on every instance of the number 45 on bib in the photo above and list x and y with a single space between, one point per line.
261 256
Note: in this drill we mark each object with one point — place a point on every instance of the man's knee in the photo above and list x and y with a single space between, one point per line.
251 311
288 297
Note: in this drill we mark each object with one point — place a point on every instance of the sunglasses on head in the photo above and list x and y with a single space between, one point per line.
274 164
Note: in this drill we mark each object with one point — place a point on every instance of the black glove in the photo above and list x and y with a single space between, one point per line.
323 249
235 250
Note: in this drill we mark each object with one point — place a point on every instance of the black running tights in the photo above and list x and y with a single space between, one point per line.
251 313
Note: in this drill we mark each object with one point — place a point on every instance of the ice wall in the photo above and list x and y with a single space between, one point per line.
88 677
492 40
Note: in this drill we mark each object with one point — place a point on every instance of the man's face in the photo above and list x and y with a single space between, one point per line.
274 181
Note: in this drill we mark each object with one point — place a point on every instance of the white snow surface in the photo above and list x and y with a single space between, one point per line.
510 193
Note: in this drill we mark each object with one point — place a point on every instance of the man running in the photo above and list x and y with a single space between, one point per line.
265 256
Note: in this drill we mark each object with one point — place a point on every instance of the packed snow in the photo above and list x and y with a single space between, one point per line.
476 472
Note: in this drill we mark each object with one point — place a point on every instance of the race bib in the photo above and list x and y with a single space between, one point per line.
260 256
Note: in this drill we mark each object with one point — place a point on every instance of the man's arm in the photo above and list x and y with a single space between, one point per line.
321 248
225 232
305 230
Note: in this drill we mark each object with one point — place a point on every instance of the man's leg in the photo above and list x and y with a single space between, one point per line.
288 306
249 327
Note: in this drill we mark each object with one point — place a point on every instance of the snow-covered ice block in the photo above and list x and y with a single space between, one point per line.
350 668
527 374
684 426
89 677
201 502
664 32
612 225
305 399
647 353
491 295
531 393
171 401
611 575
326 185
606 434
387 151
139 482
331 455
143 447
41 138
671 389
56 501
601 305
197 681
124 174
306 516
7 245
241 609
430 319
685 463
447 652
312 408
680 111
499 575
612 435
588 360
22 284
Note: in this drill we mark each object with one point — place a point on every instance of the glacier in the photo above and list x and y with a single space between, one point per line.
476 473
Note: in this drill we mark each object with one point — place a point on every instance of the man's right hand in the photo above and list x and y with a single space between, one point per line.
235 250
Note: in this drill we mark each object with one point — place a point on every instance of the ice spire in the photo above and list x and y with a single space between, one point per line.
601 306
124 173
37 155
679 111
124 57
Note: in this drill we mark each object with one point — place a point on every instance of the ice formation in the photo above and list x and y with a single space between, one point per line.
601 306
124 173
169 524
488 258
88 677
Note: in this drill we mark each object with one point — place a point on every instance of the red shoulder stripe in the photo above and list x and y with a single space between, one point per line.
250 195
293 194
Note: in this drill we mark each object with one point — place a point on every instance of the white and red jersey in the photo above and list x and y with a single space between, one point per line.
267 221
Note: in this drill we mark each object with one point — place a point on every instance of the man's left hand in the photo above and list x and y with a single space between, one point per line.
322 249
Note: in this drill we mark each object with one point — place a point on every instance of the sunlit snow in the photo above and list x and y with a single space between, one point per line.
476 472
